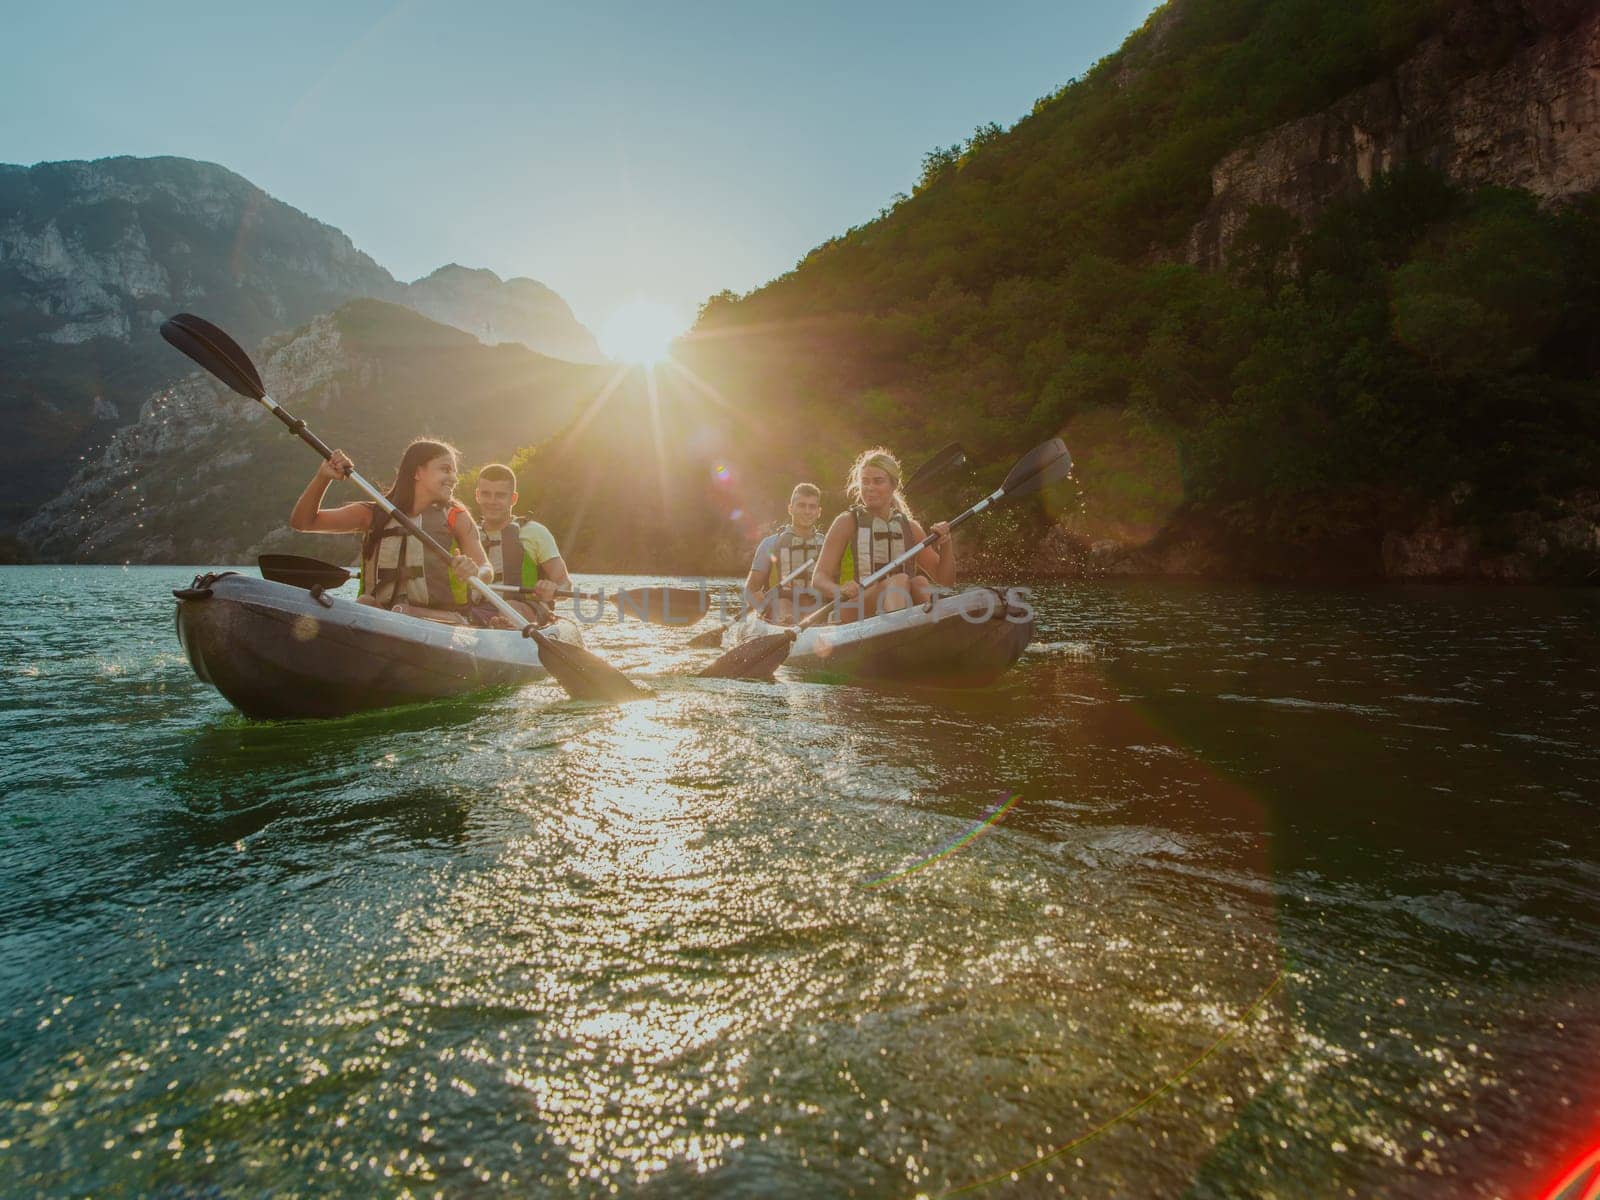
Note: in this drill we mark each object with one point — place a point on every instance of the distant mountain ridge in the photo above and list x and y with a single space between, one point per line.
496 311
93 255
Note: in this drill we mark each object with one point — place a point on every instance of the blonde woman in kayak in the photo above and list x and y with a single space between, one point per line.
874 531
396 572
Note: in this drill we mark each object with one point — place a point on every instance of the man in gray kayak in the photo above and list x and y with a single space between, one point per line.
522 551
773 587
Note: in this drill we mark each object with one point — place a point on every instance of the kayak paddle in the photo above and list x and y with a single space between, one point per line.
659 605
951 456
301 572
713 637
947 459
585 676
759 657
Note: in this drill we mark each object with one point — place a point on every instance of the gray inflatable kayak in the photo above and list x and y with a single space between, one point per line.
276 651
962 641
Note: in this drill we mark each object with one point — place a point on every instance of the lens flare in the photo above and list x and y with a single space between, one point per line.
990 817
1579 1182
641 332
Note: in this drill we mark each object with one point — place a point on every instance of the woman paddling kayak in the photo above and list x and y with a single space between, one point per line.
874 531
396 573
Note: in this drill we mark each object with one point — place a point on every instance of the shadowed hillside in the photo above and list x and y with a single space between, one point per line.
205 476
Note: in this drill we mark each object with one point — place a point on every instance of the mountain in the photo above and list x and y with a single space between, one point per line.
497 311
93 255
1312 290
204 476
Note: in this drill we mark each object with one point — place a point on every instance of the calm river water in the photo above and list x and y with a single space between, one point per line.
1225 891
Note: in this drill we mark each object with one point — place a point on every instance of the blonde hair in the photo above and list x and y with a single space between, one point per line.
884 461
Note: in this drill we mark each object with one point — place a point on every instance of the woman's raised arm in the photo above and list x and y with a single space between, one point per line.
308 515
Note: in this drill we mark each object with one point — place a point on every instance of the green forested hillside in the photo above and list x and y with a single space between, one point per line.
1417 339
1114 165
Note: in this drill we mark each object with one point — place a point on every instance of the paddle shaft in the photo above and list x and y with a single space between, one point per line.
888 569
516 589
993 497
298 427
795 574
789 578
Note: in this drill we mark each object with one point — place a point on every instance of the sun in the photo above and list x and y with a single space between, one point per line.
640 331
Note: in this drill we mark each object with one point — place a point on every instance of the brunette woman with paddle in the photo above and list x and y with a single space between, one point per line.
396 571
874 531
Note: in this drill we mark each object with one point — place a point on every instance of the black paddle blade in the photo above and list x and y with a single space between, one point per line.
663 605
301 572
710 639
1040 467
757 658
582 675
215 351
950 457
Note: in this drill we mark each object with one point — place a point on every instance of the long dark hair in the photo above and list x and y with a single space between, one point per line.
402 492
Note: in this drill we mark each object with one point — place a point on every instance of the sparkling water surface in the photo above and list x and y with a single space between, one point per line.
1223 891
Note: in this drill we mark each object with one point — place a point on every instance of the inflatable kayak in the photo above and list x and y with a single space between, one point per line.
961 641
276 651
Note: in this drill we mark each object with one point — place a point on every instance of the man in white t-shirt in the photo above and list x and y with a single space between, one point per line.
798 543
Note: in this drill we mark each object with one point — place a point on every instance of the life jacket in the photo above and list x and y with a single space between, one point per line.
401 569
877 544
507 557
790 551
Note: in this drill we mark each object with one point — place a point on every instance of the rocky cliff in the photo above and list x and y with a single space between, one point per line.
93 255
1506 93
204 476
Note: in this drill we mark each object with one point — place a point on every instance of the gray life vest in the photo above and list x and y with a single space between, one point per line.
401 569
791 551
877 544
506 555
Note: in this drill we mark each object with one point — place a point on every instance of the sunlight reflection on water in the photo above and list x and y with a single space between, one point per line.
517 945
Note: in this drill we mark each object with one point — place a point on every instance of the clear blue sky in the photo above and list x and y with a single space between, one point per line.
663 149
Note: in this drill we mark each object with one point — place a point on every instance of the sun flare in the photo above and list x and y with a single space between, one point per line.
640 332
